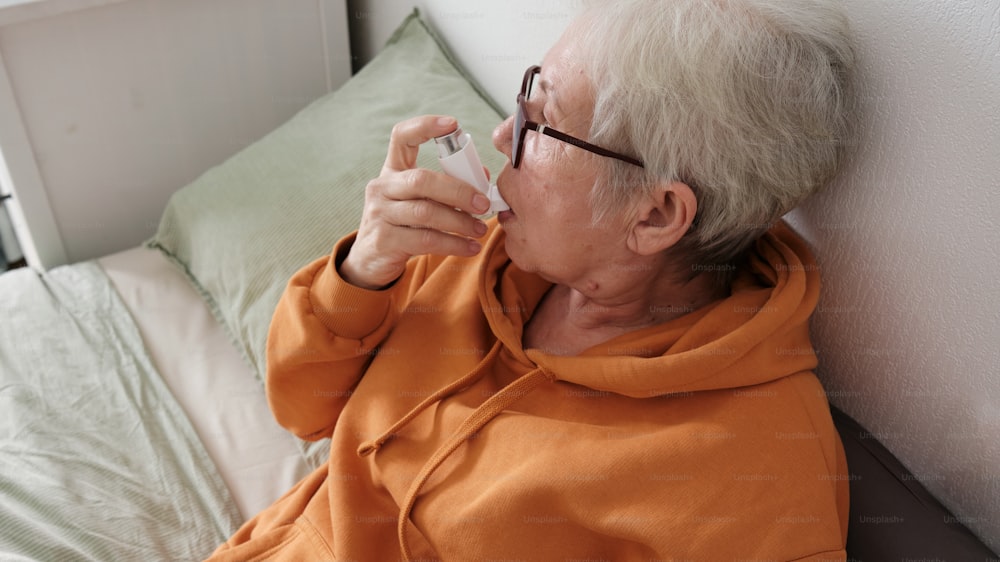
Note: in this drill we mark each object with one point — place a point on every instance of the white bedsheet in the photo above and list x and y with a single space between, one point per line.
256 458
98 460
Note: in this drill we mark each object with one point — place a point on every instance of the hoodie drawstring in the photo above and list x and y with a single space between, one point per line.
370 447
488 410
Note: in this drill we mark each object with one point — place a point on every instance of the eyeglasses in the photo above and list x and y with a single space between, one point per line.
522 125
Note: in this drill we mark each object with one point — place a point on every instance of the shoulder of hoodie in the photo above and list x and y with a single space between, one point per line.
785 413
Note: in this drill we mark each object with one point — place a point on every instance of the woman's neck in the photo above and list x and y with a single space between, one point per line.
570 320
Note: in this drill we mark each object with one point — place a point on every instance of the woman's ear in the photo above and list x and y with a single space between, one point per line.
661 220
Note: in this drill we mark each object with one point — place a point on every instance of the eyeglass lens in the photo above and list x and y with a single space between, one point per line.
520 117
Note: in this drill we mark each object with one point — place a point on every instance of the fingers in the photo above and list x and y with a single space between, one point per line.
377 260
407 136
432 216
404 145
393 231
411 211
393 240
424 199
423 184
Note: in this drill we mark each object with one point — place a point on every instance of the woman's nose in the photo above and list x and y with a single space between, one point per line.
502 135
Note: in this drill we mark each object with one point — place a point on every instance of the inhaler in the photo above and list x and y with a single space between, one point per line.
459 159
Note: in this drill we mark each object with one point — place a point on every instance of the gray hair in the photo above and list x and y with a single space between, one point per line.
746 101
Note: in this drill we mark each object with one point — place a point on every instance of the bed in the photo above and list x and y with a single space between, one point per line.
133 423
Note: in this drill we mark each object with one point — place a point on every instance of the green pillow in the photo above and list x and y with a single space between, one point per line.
244 227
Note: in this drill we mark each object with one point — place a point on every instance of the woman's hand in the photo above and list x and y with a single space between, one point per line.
411 211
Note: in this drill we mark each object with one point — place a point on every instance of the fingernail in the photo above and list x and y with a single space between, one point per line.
480 203
481 228
446 121
474 246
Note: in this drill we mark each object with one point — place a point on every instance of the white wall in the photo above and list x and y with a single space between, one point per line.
494 41
909 322
908 329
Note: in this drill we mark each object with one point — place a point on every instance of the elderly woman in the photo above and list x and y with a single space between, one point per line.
617 368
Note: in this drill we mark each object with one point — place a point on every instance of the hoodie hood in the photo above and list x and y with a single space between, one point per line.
757 334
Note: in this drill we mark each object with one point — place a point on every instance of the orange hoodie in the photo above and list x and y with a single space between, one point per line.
705 438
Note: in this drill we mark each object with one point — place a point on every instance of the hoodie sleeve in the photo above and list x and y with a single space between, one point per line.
323 335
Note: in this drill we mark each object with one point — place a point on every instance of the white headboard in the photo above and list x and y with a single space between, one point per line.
908 330
109 106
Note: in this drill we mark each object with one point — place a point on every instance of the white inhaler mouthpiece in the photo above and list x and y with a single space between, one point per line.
459 159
